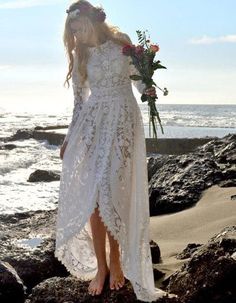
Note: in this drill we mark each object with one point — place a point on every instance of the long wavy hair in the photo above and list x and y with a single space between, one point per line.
91 28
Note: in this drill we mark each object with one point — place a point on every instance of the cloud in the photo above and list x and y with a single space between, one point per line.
5 67
27 3
210 40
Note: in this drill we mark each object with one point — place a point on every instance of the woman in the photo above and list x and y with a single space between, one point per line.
103 186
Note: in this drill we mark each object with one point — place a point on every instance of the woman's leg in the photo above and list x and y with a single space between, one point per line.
117 279
99 240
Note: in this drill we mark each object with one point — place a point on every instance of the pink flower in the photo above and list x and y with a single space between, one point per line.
154 48
128 49
139 50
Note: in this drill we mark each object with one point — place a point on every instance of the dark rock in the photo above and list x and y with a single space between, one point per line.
70 289
229 173
233 197
179 182
154 164
43 175
223 149
158 274
188 251
210 274
12 289
27 243
38 127
21 134
155 252
8 146
176 182
228 183
50 127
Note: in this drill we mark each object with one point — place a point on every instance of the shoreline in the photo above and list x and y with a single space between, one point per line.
173 232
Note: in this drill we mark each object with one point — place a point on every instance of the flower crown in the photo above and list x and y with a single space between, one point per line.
86 9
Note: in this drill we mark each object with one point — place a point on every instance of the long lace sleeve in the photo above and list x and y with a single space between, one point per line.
139 83
81 94
133 71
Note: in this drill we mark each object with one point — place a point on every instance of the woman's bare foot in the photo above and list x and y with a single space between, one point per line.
117 279
96 285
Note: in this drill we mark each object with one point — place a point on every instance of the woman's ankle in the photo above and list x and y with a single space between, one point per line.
103 267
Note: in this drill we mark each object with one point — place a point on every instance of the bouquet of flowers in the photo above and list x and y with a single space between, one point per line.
143 59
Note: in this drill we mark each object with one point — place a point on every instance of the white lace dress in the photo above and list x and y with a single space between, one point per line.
104 165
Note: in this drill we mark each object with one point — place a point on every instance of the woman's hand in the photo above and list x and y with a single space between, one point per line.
150 91
62 149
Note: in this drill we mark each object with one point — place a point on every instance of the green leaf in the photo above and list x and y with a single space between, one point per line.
144 97
135 77
157 65
166 92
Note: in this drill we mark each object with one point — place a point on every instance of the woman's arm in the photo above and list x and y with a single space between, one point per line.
133 71
81 94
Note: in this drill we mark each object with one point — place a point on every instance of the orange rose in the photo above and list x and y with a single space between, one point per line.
154 48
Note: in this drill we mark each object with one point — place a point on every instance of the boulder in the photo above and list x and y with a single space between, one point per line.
43 175
210 274
176 182
12 289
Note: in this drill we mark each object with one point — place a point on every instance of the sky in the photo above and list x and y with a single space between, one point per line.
197 41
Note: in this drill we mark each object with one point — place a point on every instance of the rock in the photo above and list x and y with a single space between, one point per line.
229 173
228 183
27 242
155 252
50 127
177 182
70 289
158 274
12 289
43 175
38 127
8 146
188 251
210 274
155 164
223 149
21 134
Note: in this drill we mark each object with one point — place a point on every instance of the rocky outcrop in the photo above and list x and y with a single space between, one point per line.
188 251
210 273
27 243
12 289
21 134
177 182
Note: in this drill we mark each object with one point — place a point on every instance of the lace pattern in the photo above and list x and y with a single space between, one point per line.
104 165
81 94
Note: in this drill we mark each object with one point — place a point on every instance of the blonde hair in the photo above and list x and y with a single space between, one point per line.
91 28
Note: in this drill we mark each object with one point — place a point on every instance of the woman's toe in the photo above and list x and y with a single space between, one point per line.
99 291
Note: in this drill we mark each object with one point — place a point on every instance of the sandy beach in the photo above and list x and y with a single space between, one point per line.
214 211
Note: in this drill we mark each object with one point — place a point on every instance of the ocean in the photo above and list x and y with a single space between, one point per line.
18 195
